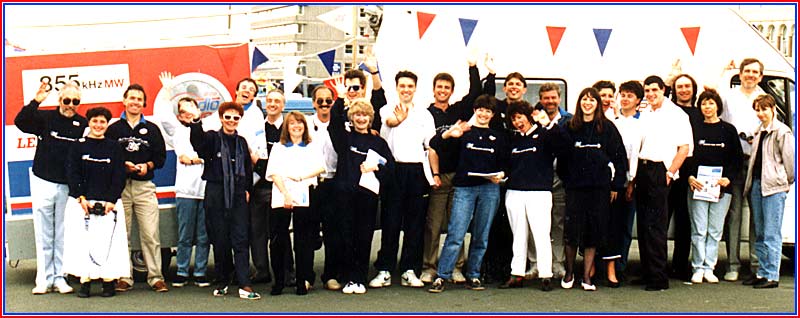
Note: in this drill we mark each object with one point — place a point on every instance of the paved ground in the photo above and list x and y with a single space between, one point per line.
680 298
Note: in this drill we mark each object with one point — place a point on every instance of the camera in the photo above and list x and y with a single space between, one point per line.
98 208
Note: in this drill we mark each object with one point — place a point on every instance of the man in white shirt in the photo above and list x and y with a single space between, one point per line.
628 125
408 130
666 142
738 110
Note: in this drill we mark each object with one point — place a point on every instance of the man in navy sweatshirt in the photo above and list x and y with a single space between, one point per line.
56 131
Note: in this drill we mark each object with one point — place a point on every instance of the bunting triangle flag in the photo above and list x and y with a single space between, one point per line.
364 68
290 77
258 59
555 34
691 34
327 60
467 27
331 83
340 18
602 35
424 21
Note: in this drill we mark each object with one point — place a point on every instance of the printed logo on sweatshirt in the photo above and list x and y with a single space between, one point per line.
707 144
517 151
87 157
472 147
579 144
55 135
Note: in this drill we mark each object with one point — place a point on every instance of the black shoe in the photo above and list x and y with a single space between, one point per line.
512 282
437 286
301 289
201 281
754 280
656 287
85 289
108 289
179 281
276 290
766 284
611 284
474 284
546 285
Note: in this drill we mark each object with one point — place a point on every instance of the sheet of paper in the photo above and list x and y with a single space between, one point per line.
709 176
368 180
297 190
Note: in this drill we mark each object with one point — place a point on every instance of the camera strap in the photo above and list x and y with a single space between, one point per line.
110 239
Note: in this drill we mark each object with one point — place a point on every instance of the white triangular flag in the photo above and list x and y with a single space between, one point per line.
340 18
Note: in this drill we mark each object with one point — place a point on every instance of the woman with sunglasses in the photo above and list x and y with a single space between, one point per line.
95 237
293 167
228 173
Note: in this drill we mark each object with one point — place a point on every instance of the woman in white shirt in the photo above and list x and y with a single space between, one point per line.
293 168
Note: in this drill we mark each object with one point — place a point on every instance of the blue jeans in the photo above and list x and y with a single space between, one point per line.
192 231
476 204
49 200
707 220
768 218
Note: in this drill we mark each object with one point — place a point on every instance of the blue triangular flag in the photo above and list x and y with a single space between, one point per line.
258 59
467 27
602 35
327 60
363 67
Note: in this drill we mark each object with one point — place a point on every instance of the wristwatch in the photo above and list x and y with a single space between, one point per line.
670 175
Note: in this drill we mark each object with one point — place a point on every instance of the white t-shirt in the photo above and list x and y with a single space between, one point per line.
631 133
295 160
738 111
321 138
663 130
409 140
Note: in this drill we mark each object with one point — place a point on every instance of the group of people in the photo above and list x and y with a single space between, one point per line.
560 184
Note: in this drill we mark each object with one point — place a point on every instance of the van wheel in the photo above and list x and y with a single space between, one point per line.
140 267
166 259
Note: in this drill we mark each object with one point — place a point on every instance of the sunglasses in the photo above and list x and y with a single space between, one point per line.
327 101
234 117
354 88
73 101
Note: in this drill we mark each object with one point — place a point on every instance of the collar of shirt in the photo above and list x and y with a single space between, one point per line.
246 106
278 123
124 117
290 144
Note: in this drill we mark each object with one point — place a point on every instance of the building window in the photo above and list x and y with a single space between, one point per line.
782 45
300 28
361 12
770 31
300 10
360 49
348 66
348 49
362 31
761 28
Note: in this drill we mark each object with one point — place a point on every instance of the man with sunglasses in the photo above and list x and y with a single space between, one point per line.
322 197
57 130
143 152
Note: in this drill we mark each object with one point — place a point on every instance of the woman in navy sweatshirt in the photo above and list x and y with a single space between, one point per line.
716 147
96 241
357 205
593 171
482 156
530 179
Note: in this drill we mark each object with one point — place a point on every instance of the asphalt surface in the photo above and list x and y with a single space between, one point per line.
722 298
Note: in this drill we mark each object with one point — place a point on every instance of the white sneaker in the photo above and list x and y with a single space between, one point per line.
349 288
40 290
731 276
697 278
458 277
383 279
62 287
709 277
426 277
359 289
410 279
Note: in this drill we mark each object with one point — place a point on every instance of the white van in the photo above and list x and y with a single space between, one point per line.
577 45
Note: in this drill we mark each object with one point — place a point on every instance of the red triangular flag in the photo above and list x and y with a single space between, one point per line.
331 83
691 35
424 21
555 34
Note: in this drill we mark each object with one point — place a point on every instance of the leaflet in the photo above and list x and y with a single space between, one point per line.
709 177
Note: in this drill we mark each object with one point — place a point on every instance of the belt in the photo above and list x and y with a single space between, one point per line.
649 162
323 180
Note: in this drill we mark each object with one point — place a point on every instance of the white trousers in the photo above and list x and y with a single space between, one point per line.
529 212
